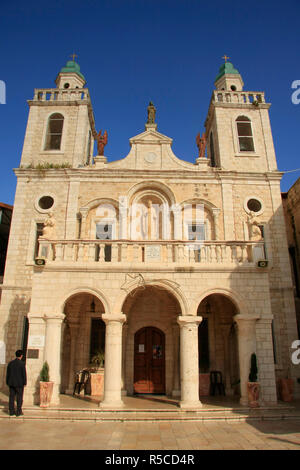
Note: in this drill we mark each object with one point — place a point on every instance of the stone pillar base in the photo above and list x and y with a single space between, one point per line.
100 161
244 401
190 405
111 405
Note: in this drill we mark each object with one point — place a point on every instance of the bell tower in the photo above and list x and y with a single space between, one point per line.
60 123
238 129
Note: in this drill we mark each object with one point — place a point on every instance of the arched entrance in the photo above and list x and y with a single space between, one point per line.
218 341
151 342
83 336
149 361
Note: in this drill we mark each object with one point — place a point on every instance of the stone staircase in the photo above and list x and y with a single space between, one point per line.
151 410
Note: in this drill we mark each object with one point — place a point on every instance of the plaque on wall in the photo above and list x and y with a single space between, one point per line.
36 341
152 253
33 353
2 352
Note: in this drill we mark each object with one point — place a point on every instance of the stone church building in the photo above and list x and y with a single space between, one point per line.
174 269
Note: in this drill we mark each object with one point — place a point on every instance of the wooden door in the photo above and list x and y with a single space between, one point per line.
149 361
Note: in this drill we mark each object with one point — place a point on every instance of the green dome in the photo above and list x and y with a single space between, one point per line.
72 67
226 68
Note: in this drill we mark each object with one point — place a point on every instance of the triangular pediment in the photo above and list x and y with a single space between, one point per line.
150 136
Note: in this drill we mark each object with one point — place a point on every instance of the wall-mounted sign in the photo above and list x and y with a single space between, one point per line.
141 348
2 352
32 353
36 341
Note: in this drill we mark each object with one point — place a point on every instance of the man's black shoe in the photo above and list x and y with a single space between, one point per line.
19 413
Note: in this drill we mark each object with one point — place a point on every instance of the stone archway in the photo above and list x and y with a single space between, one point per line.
83 336
218 341
156 308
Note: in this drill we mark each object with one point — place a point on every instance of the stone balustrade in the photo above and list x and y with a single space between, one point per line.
57 94
241 97
165 252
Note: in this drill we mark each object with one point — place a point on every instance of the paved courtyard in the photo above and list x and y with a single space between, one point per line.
46 435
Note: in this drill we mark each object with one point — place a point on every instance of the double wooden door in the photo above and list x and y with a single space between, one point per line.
149 361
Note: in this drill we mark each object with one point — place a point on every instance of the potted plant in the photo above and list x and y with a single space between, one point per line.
46 386
97 377
98 359
253 385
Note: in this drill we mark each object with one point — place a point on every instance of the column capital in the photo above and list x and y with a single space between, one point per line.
242 317
107 318
54 318
189 320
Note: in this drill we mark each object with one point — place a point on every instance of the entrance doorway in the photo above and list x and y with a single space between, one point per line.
149 361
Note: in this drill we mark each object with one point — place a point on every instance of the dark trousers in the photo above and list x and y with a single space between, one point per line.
15 392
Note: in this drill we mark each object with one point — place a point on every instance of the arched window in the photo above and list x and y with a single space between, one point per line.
54 132
245 136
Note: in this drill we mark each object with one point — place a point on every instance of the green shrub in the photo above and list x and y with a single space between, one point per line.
44 374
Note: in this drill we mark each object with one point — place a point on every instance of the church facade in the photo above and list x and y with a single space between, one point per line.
171 269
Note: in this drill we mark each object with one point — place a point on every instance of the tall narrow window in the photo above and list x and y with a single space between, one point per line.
245 136
38 233
54 132
212 150
88 155
97 339
203 346
104 232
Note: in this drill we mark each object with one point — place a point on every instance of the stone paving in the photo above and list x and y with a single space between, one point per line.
31 432
17 434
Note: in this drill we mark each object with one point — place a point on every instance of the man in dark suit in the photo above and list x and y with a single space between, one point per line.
16 380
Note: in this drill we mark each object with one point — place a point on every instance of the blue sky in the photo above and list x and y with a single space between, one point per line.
134 51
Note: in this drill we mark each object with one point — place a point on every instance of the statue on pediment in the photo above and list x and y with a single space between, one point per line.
201 144
151 113
101 141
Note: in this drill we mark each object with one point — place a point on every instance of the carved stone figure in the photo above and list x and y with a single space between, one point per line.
201 144
49 231
101 141
151 113
254 230
149 223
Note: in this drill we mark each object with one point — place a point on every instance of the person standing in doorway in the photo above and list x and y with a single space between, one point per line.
16 380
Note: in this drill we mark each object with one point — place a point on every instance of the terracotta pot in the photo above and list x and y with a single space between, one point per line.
253 394
286 388
46 389
97 382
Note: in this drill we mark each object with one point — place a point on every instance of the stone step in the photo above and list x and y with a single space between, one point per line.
155 415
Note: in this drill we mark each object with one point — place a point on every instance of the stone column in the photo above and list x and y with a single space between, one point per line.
124 341
123 215
189 367
113 361
216 213
177 222
37 329
52 352
247 346
74 328
176 377
84 213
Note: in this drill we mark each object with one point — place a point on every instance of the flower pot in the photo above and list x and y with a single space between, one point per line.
253 394
97 382
46 389
286 388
